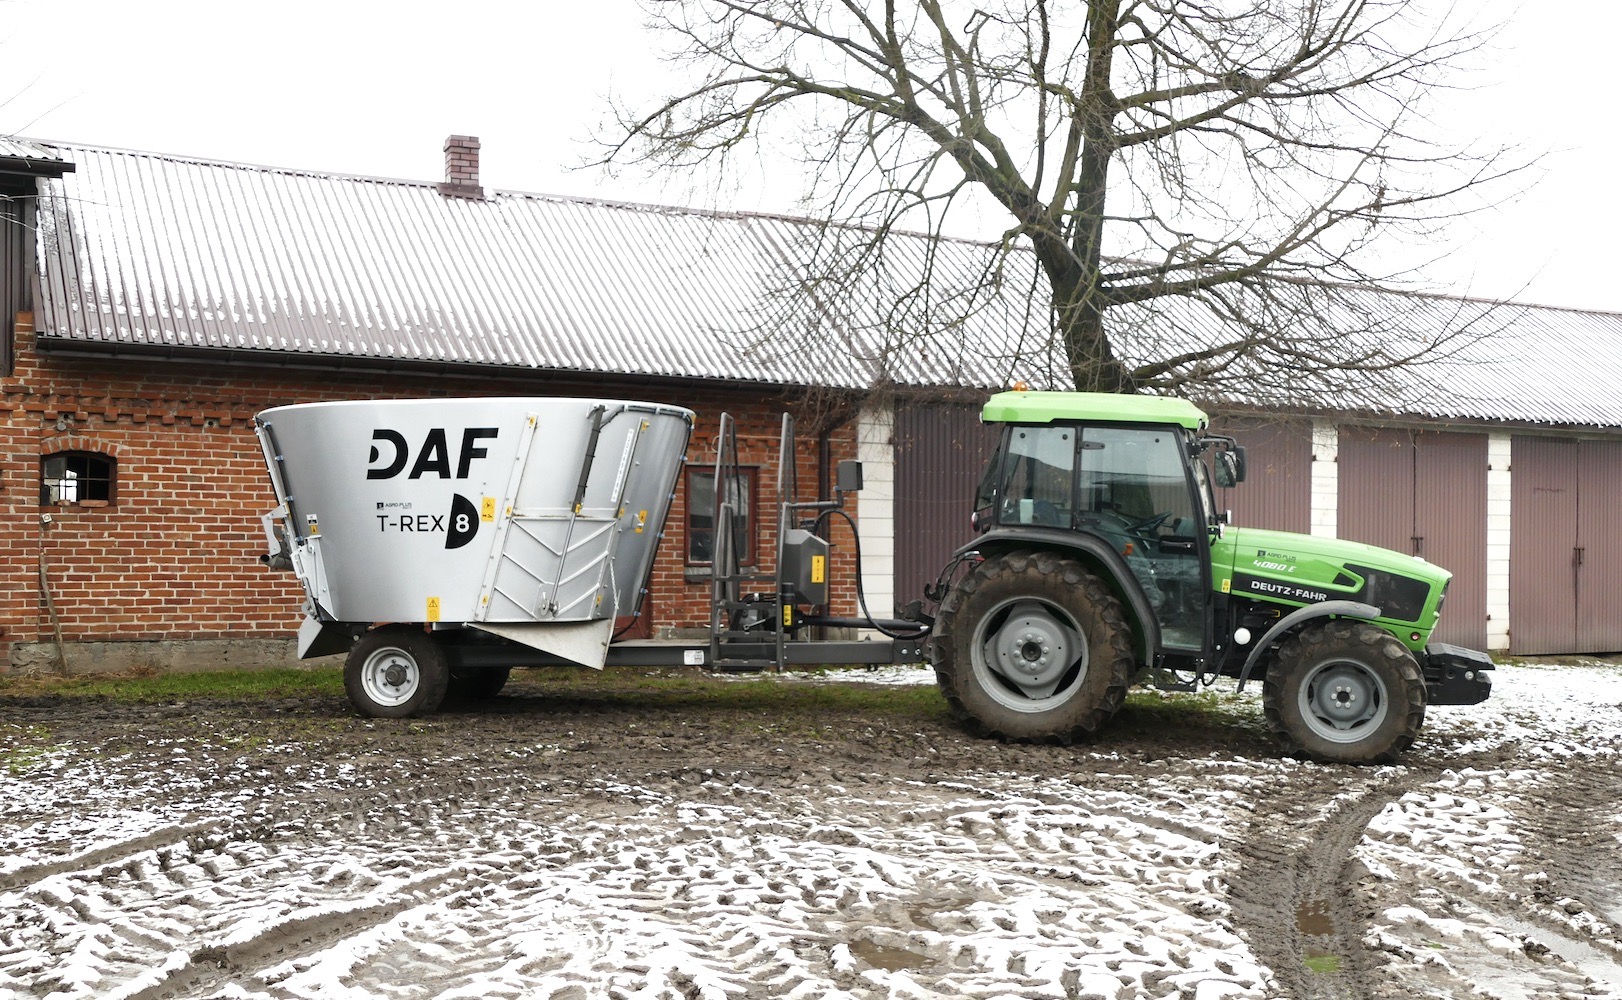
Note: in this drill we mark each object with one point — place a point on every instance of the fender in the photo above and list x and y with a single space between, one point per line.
1323 609
1004 539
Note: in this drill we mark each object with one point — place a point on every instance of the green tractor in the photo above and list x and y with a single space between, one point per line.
1101 559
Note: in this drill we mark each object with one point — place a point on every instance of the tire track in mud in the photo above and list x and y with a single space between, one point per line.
1295 894
1512 885
216 967
167 836
1571 826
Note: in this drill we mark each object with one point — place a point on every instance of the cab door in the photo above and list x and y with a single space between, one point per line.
1134 489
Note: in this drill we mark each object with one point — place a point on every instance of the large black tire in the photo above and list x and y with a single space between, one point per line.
396 672
478 683
1032 646
1345 692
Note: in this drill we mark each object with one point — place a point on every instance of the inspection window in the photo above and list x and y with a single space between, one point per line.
77 478
701 516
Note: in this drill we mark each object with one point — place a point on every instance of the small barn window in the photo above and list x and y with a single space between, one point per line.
701 516
76 478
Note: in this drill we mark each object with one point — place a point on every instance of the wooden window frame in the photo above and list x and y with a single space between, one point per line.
84 482
751 491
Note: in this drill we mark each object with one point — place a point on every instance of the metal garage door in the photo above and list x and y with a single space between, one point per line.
940 452
1423 493
1565 559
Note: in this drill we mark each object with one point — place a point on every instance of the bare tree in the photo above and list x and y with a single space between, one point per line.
1215 165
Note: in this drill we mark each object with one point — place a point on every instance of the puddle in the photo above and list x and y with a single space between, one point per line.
1322 962
884 957
1313 919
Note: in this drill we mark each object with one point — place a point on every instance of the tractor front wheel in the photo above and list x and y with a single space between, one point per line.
1032 646
395 672
1345 692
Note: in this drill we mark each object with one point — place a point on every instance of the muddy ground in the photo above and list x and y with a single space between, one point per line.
567 843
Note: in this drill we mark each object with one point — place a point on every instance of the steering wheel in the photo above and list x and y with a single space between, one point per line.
1145 526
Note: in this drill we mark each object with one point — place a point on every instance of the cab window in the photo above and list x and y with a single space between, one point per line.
1038 476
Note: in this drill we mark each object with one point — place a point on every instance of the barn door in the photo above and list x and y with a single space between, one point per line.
1599 547
1543 549
1450 527
1423 493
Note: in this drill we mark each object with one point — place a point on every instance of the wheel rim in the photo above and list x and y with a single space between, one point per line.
390 676
1343 701
1029 655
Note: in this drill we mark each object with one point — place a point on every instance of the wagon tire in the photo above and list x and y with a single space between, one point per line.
479 683
1344 692
1032 646
396 672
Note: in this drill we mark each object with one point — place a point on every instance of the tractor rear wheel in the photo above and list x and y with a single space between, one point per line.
1032 646
1345 692
396 672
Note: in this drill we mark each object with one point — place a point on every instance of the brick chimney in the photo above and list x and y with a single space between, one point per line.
461 168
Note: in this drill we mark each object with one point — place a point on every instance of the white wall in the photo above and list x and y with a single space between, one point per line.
1498 521
875 506
1325 519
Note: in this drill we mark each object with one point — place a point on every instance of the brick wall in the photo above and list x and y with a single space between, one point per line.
175 556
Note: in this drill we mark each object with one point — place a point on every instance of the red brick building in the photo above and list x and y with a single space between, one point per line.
147 339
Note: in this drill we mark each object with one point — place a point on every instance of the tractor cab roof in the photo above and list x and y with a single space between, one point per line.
1099 407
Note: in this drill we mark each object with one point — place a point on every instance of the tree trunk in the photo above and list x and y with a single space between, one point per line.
1079 297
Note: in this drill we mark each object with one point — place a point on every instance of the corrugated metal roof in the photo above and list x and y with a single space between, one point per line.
143 251
25 156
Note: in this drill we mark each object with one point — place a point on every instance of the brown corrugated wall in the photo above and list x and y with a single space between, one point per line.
1277 491
1423 493
940 452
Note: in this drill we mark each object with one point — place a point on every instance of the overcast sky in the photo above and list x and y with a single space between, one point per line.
374 88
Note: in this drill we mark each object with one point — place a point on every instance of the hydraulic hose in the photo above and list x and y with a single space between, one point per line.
861 595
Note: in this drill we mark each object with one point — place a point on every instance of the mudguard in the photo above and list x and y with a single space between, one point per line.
1003 539
1323 609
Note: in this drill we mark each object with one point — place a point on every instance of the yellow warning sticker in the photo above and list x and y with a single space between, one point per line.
433 609
487 509
641 521
819 569
788 616
1227 585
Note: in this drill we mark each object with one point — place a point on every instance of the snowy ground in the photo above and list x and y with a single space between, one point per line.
540 848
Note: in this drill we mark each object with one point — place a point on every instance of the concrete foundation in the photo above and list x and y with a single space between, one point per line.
165 656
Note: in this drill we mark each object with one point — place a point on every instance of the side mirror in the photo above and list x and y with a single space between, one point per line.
1229 469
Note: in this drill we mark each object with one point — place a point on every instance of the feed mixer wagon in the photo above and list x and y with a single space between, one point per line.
525 526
